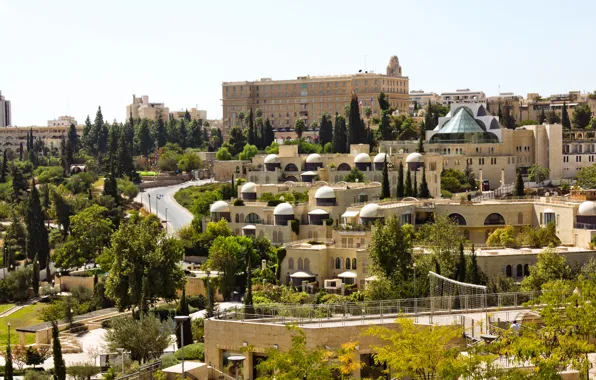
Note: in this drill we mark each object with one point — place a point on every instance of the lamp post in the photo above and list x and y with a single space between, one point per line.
149 201
415 293
166 220
237 360
181 319
121 351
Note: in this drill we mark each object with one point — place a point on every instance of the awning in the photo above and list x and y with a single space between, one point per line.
302 275
318 212
350 214
347 275
549 211
249 227
371 278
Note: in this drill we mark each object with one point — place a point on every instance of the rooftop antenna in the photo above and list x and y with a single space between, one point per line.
365 62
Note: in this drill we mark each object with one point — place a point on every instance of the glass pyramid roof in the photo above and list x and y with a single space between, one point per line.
462 122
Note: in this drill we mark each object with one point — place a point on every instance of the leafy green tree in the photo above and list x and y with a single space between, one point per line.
581 116
248 152
37 241
183 309
408 191
443 237
340 135
519 185
385 190
299 128
110 187
299 362
227 255
223 154
586 178
19 183
325 129
61 211
538 173
502 237
400 181
189 161
553 117
59 366
142 263
565 117
424 192
355 175
237 141
550 266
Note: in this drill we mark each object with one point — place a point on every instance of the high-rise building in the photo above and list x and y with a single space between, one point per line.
309 97
5 114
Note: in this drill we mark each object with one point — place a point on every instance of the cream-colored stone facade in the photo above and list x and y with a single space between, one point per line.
12 137
62 121
309 97
195 114
142 109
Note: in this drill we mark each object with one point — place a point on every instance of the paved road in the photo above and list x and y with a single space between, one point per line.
178 216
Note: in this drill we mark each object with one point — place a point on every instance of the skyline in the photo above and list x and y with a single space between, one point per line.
68 58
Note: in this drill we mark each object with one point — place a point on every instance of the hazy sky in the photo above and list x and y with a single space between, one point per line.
67 57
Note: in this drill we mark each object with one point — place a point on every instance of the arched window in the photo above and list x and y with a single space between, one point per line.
337 263
348 264
237 218
241 217
291 168
458 218
252 218
310 234
520 218
353 263
494 219
275 236
332 263
306 264
508 271
292 178
519 270
343 167
269 219
300 264
290 263
280 237
526 270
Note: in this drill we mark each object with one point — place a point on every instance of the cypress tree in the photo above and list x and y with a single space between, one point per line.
325 130
340 138
385 127
35 276
519 184
4 167
565 117
473 273
182 133
251 128
144 141
383 102
541 117
187 115
488 107
59 366
38 245
186 326
269 134
385 192
8 370
125 144
408 187
424 192
415 184
248 302
460 269
357 134
500 113
420 148
428 117
73 139
400 181
160 134
68 156
86 138
110 187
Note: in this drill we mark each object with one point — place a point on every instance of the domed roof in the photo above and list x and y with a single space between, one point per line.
414 157
249 227
314 158
362 158
369 211
249 187
283 209
309 173
220 206
587 208
325 192
318 212
272 159
380 158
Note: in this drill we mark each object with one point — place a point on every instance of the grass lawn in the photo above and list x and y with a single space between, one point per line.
5 306
146 174
27 316
187 196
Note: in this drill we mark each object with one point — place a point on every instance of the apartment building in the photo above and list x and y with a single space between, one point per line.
421 99
62 121
194 113
309 97
143 109
5 112
464 95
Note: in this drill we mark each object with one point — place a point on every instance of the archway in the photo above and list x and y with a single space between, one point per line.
292 179
458 218
343 167
291 168
252 218
494 219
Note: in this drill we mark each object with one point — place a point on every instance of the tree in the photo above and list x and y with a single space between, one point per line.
355 175
565 117
15 240
357 134
248 300
223 154
553 117
145 338
385 127
443 237
385 191
269 137
340 135
502 237
460 269
325 129
8 370
550 266
429 120
299 362
86 138
400 181
228 255
528 122
37 242
159 133
420 148
143 264
19 183
586 178
125 152
110 187
473 273
185 326
519 185
143 138
415 185
538 173
541 117
408 187
35 278
83 370
4 169
59 366
383 102
182 133
417 351
252 133
424 192
299 128
581 116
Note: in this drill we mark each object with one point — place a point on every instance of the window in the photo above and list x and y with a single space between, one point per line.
508 271
348 264
337 263
300 264
353 263
252 218
519 270
494 219
526 270
458 218
237 218
290 263
306 264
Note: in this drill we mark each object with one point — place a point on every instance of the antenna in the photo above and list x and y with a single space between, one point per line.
365 62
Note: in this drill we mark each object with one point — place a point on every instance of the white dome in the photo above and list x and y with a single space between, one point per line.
587 208
249 187
380 158
220 206
272 159
314 158
414 157
362 158
283 209
324 192
318 212
249 227
309 173
369 211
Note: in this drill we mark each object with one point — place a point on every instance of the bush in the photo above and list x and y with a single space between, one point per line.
295 225
198 302
194 351
169 360
238 202
274 202
328 222
106 324
446 194
198 329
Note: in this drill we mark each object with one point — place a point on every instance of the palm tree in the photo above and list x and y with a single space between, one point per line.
241 116
299 128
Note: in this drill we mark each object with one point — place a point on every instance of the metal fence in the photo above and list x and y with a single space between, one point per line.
144 372
318 313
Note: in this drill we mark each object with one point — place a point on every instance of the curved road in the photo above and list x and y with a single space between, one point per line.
178 216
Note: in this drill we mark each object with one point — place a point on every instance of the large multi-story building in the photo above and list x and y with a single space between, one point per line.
309 97
194 113
420 99
12 137
5 112
462 96
142 109
62 121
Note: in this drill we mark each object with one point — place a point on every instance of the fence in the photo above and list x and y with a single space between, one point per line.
144 372
315 313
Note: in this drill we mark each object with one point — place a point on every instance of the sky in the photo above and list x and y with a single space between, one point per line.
67 57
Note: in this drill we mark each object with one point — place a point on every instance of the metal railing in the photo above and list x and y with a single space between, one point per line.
319 313
144 372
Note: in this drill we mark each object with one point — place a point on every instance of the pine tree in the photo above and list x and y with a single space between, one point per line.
565 117
187 115
385 192
357 134
420 148
415 184
519 184
269 134
8 369
251 138
429 120
186 326
110 187
385 127
4 169
59 366
542 117
460 269
143 138
125 151
473 273
340 138
35 276
86 138
408 187
400 181
424 193
325 130
73 139
38 245
160 135
182 134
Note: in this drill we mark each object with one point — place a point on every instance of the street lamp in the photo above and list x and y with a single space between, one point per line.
166 220
181 319
415 293
121 351
149 201
237 361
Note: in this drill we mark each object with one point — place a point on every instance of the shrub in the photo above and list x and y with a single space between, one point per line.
238 202
328 222
446 194
194 351
106 324
197 301
295 225
169 360
274 202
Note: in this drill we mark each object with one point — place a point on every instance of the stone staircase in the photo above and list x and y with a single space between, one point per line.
69 343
